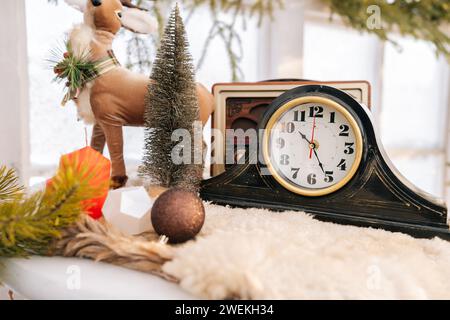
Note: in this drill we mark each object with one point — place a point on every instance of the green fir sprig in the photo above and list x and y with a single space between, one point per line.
73 69
10 188
30 224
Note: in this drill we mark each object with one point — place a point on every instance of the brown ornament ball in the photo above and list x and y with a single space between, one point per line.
178 215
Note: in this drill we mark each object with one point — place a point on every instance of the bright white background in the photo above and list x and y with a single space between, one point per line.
410 87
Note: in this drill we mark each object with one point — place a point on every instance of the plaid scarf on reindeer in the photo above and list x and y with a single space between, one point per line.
78 71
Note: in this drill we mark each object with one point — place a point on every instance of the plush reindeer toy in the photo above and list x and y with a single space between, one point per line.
115 97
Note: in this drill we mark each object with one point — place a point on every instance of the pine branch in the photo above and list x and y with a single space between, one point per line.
9 185
29 224
75 69
425 20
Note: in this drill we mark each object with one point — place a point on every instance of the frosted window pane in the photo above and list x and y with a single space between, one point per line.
53 129
414 106
216 67
332 52
426 172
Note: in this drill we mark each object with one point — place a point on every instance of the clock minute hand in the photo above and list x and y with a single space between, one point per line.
320 163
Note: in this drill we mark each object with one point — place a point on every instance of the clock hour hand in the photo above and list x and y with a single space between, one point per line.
304 137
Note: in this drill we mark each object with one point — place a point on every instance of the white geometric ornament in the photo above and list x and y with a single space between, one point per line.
129 210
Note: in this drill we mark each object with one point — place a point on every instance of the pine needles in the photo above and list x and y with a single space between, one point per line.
76 70
30 224
426 20
9 185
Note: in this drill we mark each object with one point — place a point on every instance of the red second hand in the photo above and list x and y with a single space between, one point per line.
311 147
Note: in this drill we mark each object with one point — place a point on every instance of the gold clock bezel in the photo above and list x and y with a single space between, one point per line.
358 147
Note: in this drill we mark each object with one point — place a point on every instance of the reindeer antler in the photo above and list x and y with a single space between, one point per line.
128 4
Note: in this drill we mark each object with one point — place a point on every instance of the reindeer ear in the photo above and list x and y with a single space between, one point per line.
139 21
80 5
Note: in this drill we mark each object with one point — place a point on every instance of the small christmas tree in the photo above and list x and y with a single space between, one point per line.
171 104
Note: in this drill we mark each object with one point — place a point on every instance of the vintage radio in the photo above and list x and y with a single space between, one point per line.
241 106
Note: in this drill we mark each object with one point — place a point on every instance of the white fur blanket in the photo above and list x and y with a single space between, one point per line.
257 254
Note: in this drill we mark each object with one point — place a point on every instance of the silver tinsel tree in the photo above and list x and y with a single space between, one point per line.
171 104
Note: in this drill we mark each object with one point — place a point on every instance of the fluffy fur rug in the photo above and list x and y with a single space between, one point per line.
257 254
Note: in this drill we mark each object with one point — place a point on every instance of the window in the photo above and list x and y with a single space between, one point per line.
410 87
414 112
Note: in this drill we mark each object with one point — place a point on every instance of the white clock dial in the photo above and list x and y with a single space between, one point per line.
313 148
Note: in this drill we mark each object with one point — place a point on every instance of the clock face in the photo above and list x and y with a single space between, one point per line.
312 146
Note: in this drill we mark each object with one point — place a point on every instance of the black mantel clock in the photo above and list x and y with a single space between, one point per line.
320 154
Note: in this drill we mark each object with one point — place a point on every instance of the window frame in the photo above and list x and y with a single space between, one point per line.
14 89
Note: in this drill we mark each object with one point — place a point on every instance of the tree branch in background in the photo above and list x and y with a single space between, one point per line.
426 20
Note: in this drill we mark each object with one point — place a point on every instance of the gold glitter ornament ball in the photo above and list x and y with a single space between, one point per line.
178 215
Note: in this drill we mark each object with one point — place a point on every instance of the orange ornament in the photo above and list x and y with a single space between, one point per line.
89 159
